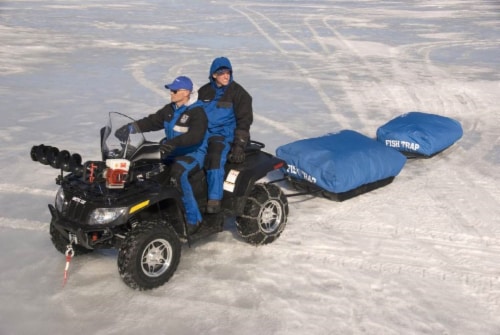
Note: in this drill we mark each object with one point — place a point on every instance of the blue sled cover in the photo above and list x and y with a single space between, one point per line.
420 133
340 162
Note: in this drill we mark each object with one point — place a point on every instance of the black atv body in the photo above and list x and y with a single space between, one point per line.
139 210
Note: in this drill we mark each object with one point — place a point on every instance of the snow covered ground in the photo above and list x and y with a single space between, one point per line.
419 256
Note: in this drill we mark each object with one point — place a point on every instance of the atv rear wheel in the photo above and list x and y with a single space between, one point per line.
149 256
61 243
264 216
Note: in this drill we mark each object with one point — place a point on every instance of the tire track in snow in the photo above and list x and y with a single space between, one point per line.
373 91
456 248
474 244
279 126
467 217
253 17
139 74
16 189
485 284
23 224
459 236
407 258
137 71
411 251
443 238
411 84
451 98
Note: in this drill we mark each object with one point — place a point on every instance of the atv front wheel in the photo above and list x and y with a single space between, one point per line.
61 243
149 256
264 216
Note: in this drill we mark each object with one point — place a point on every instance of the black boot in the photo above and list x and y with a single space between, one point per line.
192 228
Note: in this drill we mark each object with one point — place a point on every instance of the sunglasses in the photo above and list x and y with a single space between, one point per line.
174 91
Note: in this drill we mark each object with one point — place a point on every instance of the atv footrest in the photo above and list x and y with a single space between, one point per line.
212 224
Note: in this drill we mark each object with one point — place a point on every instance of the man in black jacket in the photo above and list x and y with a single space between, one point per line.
229 110
185 143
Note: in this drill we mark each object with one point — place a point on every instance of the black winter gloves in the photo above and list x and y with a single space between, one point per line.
123 132
237 153
166 150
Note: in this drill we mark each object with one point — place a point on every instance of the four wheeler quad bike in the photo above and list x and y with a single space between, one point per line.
127 202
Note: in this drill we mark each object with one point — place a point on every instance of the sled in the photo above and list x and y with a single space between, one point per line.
420 135
339 166
306 188
346 164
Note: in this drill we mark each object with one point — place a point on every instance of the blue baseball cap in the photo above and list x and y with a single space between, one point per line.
180 83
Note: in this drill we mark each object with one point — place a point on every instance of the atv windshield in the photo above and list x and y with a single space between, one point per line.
111 146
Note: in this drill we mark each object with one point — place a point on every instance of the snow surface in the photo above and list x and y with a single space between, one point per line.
419 256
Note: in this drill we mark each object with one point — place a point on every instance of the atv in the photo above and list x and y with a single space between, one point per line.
127 201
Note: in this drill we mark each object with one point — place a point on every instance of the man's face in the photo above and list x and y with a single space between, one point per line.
222 77
180 97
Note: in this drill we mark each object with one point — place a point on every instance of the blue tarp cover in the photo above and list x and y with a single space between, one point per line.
420 133
342 161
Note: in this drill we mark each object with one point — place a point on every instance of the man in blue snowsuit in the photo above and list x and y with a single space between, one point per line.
185 145
230 115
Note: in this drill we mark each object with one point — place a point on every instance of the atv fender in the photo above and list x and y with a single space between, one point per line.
240 178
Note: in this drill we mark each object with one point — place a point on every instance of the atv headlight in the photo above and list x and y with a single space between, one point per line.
105 215
59 202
